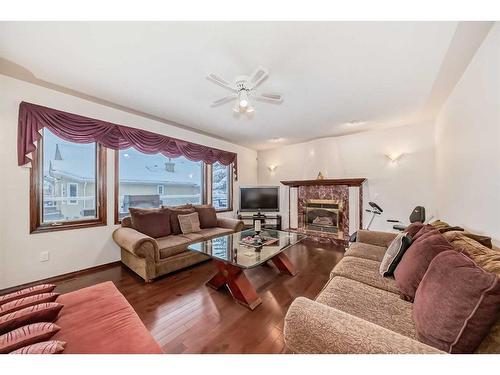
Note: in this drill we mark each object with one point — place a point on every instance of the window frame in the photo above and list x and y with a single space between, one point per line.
36 195
230 192
203 186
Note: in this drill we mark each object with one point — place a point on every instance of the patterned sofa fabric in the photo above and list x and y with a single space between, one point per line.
375 305
314 328
365 271
366 251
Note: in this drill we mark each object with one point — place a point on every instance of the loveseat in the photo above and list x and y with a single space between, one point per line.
153 257
359 311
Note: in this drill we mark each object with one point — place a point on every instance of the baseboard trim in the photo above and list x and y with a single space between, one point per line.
59 278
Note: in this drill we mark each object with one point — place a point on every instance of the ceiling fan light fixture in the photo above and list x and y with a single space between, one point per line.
241 89
243 99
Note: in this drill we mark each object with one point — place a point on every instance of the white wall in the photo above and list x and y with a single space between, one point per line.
396 187
468 145
74 249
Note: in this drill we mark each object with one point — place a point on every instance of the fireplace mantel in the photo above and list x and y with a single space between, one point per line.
336 181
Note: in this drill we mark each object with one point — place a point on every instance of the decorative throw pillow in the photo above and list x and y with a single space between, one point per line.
153 222
174 220
189 223
439 224
412 229
483 240
394 253
450 229
423 231
21 303
31 291
27 335
467 300
44 312
416 260
46 347
208 216
486 258
127 222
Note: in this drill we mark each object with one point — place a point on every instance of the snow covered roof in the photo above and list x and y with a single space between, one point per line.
74 161
137 167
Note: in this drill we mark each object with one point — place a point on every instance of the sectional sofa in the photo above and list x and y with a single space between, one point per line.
359 311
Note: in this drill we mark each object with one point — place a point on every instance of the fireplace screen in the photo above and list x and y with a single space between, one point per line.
322 215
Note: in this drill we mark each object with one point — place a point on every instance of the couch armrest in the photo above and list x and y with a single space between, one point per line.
372 237
233 224
311 327
135 242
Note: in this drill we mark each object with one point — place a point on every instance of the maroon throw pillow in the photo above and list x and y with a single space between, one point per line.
174 220
412 229
153 222
46 347
424 231
207 215
43 312
416 260
27 335
21 303
26 292
456 303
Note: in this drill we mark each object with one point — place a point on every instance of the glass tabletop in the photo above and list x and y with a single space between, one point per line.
232 248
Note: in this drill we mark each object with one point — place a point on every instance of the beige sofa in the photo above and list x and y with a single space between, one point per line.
149 257
359 311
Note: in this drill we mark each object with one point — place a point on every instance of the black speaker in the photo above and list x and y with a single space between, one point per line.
418 215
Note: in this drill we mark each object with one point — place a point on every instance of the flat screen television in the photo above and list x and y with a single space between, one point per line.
260 199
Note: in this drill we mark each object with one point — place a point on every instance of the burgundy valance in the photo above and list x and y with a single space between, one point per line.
80 129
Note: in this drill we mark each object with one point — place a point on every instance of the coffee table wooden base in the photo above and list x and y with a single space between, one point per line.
238 284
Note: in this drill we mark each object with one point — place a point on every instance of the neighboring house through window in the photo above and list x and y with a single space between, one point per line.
73 193
68 185
147 181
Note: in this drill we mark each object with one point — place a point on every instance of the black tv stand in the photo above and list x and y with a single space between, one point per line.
250 220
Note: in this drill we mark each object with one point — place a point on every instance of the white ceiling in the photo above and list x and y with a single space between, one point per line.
329 73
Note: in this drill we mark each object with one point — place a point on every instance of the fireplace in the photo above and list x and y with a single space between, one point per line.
322 215
327 210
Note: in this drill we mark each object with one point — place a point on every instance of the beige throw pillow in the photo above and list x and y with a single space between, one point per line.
189 223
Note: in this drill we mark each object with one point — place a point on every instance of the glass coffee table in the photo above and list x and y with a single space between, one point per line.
232 257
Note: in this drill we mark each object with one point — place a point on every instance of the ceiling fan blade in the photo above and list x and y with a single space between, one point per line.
257 77
223 100
270 97
221 82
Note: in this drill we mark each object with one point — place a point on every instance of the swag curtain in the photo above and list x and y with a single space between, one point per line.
80 129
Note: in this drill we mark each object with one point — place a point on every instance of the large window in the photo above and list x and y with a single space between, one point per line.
222 194
67 185
155 180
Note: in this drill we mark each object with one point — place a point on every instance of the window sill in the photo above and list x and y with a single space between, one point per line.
68 226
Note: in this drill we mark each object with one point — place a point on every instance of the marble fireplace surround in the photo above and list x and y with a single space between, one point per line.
346 192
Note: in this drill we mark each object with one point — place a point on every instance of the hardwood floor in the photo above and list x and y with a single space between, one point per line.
186 316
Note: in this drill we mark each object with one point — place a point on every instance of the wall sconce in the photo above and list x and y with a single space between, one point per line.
272 167
393 157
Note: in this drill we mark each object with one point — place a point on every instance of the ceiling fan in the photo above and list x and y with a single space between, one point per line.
243 88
